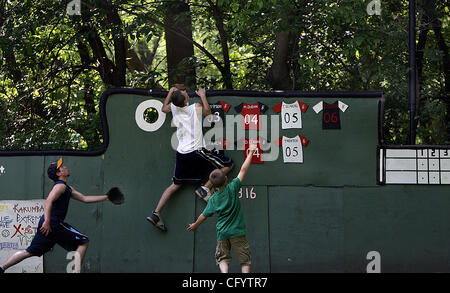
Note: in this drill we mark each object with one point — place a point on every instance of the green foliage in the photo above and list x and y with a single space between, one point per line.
50 80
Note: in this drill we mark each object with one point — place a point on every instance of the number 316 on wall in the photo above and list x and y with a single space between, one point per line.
247 192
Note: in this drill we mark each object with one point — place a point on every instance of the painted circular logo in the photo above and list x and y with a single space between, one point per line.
149 116
5 233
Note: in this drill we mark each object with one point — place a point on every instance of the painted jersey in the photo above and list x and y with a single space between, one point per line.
251 114
258 154
291 114
330 116
292 148
218 146
218 111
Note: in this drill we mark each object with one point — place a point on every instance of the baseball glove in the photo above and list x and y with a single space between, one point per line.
115 195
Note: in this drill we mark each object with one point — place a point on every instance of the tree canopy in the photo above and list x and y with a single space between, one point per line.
55 64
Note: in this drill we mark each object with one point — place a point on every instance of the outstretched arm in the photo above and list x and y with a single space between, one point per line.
194 226
247 162
166 105
87 199
206 109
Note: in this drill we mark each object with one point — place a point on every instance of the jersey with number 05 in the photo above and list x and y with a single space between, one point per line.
292 148
291 114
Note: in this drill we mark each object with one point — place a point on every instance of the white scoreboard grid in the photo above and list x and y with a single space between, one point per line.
414 165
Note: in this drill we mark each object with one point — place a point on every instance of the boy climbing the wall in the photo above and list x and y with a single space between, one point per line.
193 161
231 229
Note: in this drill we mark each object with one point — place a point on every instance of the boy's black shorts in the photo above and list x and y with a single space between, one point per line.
192 167
62 233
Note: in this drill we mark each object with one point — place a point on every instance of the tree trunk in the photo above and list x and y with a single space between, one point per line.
8 51
430 21
112 73
134 62
437 28
226 69
420 51
146 54
279 74
120 43
179 49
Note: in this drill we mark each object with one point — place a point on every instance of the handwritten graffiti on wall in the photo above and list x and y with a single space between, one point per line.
18 225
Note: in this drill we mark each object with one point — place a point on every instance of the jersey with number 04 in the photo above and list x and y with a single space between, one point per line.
293 148
251 114
291 114
257 157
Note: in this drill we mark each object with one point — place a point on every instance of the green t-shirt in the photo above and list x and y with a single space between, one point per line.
226 204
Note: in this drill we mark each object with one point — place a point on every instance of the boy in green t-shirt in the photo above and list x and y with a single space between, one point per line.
230 225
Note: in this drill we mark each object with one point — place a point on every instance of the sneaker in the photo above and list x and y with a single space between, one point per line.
157 221
1 270
204 193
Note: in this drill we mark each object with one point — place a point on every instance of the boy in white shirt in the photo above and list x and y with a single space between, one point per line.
193 161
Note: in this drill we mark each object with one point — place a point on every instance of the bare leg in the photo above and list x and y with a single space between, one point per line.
16 258
82 251
223 265
166 195
245 269
225 170
79 257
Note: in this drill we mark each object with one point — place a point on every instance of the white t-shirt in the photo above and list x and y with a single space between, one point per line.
188 121
291 114
292 148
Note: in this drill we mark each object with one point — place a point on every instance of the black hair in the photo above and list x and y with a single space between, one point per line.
52 170
178 99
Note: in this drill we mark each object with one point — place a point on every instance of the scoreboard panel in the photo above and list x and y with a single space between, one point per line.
414 165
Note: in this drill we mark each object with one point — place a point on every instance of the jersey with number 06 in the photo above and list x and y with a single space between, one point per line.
330 116
292 148
291 114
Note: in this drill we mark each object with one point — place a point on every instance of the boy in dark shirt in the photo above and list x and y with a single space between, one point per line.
52 229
